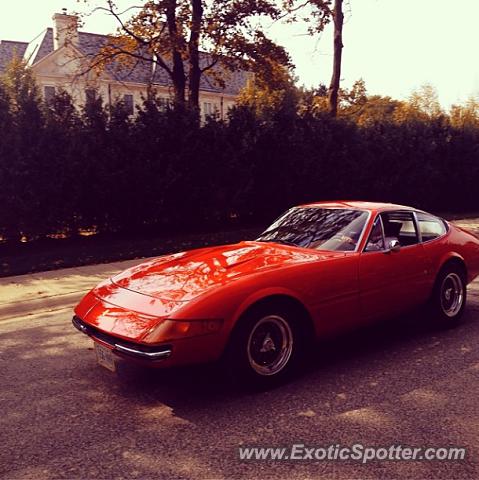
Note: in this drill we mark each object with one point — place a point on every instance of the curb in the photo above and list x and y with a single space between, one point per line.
39 305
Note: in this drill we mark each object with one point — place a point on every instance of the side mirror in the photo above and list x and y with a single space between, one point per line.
392 245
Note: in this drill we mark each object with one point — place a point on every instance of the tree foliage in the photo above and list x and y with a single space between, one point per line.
467 115
192 38
264 96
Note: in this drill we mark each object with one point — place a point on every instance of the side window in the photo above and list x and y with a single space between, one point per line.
400 225
430 227
376 237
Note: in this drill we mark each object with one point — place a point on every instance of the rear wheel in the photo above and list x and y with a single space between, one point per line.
266 346
449 296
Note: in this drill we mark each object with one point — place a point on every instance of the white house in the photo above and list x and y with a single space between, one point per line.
59 55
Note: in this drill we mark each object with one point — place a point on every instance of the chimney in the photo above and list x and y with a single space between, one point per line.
65 29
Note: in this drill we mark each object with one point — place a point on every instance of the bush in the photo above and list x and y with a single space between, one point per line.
62 170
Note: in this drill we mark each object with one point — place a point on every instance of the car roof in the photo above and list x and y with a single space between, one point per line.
361 205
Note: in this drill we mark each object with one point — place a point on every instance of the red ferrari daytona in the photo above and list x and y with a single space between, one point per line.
318 270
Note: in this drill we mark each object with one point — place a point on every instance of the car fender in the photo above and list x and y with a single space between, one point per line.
262 294
446 257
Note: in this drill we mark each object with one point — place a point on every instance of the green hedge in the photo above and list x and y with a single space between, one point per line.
63 170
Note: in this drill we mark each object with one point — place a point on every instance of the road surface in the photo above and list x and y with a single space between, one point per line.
62 416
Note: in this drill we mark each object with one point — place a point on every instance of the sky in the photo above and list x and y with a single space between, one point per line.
394 45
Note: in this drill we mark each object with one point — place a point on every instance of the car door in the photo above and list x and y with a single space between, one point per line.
333 294
391 282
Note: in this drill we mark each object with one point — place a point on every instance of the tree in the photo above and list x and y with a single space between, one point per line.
422 105
22 165
318 14
377 109
356 95
467 115
338 18
312 100
191 38
266 96
19 84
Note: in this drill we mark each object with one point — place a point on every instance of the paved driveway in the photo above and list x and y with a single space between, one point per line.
62 416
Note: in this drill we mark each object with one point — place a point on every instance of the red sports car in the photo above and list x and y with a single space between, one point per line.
318 270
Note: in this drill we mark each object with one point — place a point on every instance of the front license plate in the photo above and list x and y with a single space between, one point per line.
105 357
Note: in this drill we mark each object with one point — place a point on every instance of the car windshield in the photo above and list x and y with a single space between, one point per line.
318 228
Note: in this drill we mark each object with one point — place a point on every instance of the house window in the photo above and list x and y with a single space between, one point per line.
207 109
49 94
128 101
90 94
164 103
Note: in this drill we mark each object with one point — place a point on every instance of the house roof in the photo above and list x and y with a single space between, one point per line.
143 71
9 50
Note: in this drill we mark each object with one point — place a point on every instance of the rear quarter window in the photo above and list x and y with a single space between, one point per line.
430 227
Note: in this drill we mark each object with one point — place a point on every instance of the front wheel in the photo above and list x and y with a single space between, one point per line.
265 347
449 296
270 345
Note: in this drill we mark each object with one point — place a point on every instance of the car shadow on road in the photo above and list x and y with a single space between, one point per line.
379 361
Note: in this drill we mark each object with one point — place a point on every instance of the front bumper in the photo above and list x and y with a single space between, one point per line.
121 347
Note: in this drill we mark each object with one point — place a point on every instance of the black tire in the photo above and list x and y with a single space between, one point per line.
449 296
266 346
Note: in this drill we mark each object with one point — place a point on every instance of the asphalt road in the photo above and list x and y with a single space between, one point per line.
62 416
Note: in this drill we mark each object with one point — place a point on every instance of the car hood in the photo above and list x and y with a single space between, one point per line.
133 303
183 276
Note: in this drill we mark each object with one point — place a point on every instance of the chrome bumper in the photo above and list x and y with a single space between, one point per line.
143 352
148 355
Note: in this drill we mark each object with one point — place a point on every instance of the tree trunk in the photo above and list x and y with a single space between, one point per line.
194 55
338 50
178 71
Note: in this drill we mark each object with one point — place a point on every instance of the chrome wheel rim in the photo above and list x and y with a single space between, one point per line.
270 345
452 294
